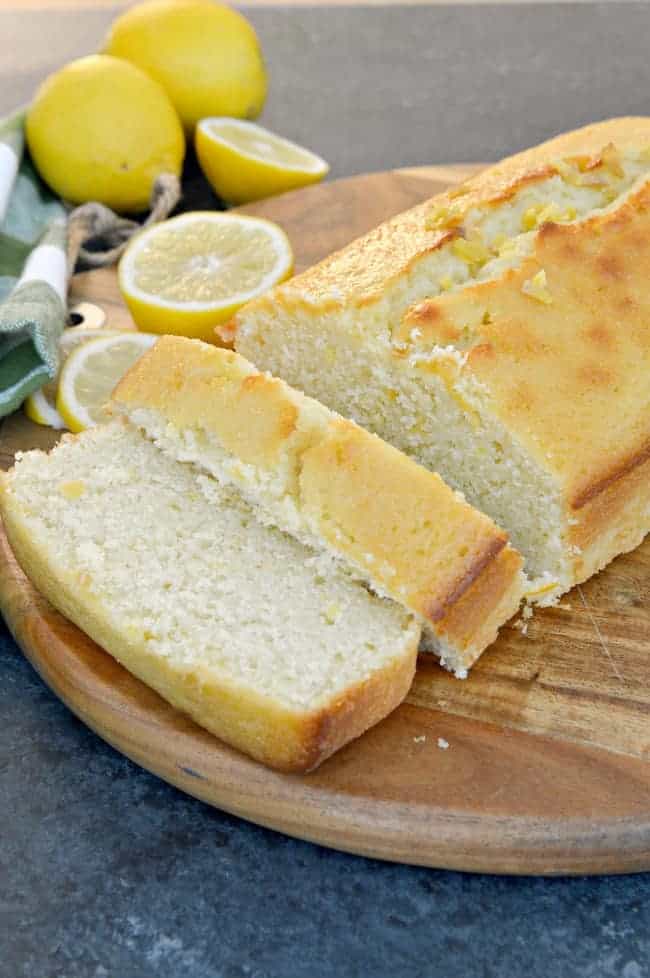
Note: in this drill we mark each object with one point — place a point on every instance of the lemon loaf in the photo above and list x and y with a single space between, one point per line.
500 335
234 623
334 486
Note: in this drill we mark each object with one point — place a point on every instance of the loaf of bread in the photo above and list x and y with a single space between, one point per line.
260 639
499 334
332 485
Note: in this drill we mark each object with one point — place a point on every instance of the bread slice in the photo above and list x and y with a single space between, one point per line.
499 335
235 623
332 485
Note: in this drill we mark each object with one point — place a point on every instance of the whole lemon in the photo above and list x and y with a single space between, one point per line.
204 54
101 129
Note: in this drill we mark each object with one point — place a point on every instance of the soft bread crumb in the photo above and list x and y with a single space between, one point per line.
352 359
316 476
183 566
73 489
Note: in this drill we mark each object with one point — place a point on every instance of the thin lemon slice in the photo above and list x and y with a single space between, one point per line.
189 274
245 162
91 372
41 406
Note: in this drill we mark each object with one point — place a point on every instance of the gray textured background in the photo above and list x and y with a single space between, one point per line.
373 88
106 872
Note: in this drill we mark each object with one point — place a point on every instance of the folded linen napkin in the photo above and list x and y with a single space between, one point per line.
33 273
40 243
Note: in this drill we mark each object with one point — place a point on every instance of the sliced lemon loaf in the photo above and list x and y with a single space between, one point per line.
332 485
500 335
233 622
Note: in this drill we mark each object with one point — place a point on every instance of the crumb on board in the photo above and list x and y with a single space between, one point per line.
442 743
527 611
419 740
521 626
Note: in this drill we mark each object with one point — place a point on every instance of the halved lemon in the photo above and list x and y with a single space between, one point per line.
245 162
191 273
41 406
92 371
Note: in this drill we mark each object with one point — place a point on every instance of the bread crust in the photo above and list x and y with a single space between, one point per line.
414 539
612 521
556 370
568 379
362 272
471 624
292 741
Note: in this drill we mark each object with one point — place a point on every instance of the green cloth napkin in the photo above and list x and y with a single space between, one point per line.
33 272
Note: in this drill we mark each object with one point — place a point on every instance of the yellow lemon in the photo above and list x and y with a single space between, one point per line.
189 274
41 405
101 129
91 373
245 162
204 54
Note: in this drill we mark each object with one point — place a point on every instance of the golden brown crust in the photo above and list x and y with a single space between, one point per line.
610 522
250 412
288 740
471 623
362 706
415 539
569 378
363 271
465 582
626 132
618 470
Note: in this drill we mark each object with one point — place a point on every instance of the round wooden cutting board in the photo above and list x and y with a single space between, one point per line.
538 763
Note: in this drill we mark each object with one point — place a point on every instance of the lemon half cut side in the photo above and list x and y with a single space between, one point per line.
189 274
245 162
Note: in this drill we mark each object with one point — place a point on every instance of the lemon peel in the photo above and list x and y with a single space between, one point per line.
191 273
102 130
245 162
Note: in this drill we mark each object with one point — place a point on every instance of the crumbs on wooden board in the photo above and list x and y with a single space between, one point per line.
521 624
442 743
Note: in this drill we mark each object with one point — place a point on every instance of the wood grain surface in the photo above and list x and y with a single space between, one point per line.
547 769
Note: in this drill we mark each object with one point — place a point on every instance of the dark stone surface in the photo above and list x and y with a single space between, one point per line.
106 872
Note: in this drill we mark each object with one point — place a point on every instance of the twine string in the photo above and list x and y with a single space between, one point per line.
97 236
